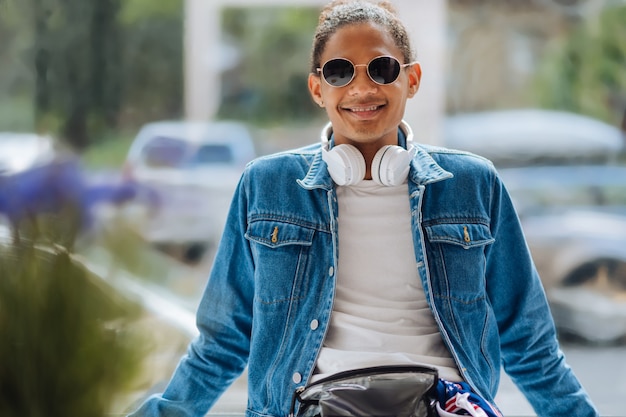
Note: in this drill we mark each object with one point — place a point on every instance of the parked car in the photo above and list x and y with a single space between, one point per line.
520 137
193 169
574 218
561 170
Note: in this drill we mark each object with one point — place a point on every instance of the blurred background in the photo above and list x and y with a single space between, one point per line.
124 127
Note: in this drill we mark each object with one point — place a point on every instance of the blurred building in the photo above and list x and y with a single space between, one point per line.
495 47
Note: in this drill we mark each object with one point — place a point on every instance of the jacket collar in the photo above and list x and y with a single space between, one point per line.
425 170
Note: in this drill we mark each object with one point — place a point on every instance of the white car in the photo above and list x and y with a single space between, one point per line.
192 168
563 172
574 219
519 137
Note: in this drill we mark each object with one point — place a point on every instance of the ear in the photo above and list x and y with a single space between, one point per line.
415 75
315 89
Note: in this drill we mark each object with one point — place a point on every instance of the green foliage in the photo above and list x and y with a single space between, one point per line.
67 51
109 152
134 11
270 84
152 62
64 351
16 72
586 72
16 113
91 66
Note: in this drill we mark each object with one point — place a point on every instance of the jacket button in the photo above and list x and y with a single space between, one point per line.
331 271
297 378
314 324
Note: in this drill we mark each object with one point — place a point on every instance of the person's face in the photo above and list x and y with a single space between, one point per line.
364 113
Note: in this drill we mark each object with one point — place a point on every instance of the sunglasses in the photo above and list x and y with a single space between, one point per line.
383 70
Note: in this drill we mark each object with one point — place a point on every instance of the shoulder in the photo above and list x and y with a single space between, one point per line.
293 162
471 174
455 160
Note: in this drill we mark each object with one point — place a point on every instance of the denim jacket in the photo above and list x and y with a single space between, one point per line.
270 293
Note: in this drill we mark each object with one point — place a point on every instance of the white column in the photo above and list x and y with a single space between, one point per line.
201 54
426 21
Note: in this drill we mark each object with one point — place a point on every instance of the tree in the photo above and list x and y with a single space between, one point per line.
92 66
584 72
151 61
269 84
75 54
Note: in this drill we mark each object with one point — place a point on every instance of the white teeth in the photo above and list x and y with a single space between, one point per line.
371 108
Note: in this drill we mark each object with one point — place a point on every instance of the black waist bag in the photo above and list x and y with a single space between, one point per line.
381 391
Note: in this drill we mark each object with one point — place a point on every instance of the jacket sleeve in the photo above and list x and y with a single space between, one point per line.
224 316
530 350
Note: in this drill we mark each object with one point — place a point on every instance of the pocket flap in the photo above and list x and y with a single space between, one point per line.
466 235
276 233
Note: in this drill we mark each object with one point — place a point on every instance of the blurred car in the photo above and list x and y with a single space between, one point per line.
562 170
519 137
574 219
193 169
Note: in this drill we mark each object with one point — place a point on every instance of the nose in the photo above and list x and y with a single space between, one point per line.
362 83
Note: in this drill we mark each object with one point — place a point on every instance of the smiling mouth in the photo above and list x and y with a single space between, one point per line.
363 109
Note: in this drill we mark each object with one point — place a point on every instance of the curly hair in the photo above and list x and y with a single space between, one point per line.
340 13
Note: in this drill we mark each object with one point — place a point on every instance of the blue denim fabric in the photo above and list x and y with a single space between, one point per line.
270 293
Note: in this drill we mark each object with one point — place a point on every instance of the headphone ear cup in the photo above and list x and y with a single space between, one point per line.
345 164
390 165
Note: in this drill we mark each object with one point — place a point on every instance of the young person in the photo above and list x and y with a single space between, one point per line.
368 248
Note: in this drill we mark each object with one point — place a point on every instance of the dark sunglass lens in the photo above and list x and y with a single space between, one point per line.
338 72
384 70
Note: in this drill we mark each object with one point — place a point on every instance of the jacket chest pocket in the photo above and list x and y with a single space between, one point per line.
459 258
281 254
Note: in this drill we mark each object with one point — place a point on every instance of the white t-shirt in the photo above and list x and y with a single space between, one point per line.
380 315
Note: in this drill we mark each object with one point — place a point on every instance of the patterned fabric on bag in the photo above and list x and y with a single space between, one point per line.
458 399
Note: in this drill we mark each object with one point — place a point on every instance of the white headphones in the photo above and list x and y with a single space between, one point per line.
346 164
